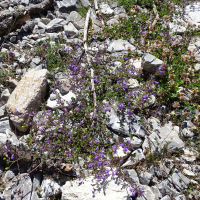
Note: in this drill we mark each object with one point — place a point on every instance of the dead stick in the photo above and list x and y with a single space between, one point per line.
88 60
97 12
157 17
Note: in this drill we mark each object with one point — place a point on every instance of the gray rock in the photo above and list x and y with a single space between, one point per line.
50 188
1 170
97 189
37 179
166 134
150 63
50 15
55 25
132 174
166 188
154 123
85 3
130 123
5 95
112 21
105 9
65 5
166 167
156 192
8 176
13 39
65 98
19 188
119 10
180 181
148 193
2 110
139 156
120 45
25 2
189 155
186 126
135 142
180 197
145 178
70 30
4 125
3 139
76 19
34 196
167 197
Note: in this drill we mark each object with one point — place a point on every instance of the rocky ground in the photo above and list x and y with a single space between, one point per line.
27 81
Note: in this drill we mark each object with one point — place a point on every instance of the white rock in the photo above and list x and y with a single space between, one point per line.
90 189
139 156
50 188
189 155
188 172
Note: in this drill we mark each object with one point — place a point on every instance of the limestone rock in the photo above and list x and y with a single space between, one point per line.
27 96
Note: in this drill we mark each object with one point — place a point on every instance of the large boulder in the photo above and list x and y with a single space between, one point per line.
89 189
27 96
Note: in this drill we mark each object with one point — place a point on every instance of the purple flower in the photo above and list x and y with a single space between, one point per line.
105 163
107 172
12 157
53 147
159 113
118 81
79 104
69 140
125 149
131 189
84 137
81 122
75 124
97 141
99 164
129 142
162 72
145 97
97 148
91 164
102 149
121 106
102 155
98 177
90 143
156 82
149 89
140 31
103 177
134 193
